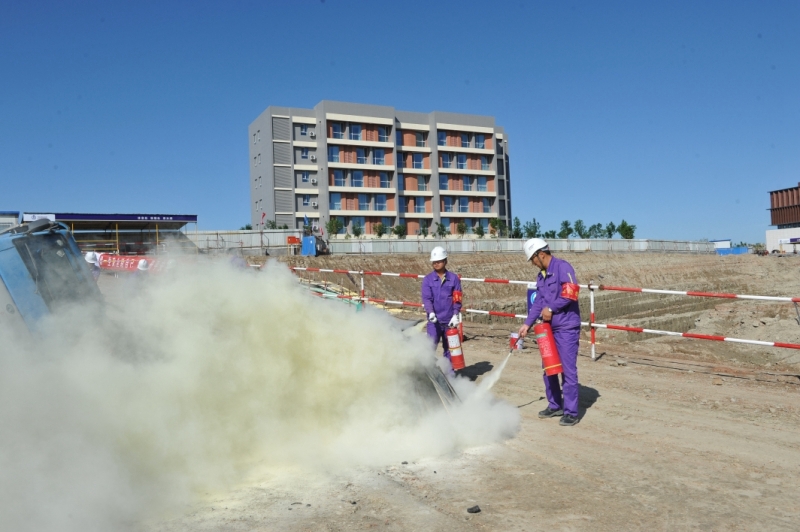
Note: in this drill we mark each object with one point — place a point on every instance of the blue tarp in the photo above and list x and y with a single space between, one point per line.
733 251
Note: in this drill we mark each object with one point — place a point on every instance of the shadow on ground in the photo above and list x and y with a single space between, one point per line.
476 370
587 397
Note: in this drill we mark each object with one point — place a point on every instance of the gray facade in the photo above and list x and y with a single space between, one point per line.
369 164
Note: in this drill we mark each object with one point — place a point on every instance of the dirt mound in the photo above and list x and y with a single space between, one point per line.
742 274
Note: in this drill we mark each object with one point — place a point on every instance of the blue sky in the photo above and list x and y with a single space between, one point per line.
677 116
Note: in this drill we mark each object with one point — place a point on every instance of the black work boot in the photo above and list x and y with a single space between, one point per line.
568 420
548 412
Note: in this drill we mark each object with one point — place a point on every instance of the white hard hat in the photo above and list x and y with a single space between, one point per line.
142 266
91 257
532 246
438 253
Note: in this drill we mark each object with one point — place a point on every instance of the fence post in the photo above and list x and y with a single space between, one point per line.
591 318
361 301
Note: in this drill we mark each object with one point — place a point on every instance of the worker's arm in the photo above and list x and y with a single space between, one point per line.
567 286
457 295
427 296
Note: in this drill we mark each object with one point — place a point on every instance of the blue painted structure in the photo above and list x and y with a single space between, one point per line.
42 270
733 251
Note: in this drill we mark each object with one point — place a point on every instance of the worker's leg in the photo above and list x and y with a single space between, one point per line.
437 336
553 392
567 342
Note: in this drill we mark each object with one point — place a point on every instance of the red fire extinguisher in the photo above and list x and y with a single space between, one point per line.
551 361
454 344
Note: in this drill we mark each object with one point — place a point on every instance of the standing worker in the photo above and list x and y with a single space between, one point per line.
441 297
93 259
557 303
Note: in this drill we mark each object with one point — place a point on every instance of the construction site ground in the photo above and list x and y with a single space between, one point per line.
674 433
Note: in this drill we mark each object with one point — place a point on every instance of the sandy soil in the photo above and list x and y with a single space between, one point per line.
656 448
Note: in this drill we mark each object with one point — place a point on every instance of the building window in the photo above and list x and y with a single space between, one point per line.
480 141
306 200
303 130
361 156
383 134
481 184
385 180
358 178
502 208
387 222
398 135
336 201
446 223
422 183
484 223
420 140
338 178
448 204
359 221
338 133
254 138
419 204
363 202
484 162
501 187
304 153
343 221
333 154
443 182
355 131
380 202
401 160
258 135
401 182
417 157
304 177
378 156
464 140
446 160
463 204
441 137
486 205
462 161
466 183
468 223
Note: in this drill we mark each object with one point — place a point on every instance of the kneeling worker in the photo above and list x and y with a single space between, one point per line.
441 297
557 303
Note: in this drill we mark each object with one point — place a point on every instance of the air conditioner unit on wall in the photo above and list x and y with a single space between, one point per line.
314 204
312 157
313 181
312 133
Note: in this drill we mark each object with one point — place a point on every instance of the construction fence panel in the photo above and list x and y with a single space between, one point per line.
494 245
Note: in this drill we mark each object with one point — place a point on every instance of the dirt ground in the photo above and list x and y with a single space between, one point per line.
656 448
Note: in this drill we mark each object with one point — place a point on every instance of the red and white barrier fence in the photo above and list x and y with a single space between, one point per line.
592 322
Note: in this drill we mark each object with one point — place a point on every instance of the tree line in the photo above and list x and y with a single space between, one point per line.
578 229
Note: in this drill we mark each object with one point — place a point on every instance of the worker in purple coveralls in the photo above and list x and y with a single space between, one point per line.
441 297
557 303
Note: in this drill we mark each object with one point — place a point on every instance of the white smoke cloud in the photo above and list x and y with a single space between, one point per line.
198 375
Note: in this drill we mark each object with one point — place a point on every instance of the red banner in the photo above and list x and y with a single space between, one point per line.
128 263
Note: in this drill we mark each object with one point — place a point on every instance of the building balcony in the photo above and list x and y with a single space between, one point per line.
373 212
425 193
388 144
414 170
362 190
474 193
357 166
416 215
465 171
459 149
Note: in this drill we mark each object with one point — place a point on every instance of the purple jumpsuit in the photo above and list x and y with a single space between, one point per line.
437 297
566 324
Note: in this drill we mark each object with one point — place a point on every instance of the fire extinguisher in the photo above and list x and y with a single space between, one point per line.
551 361
454 344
